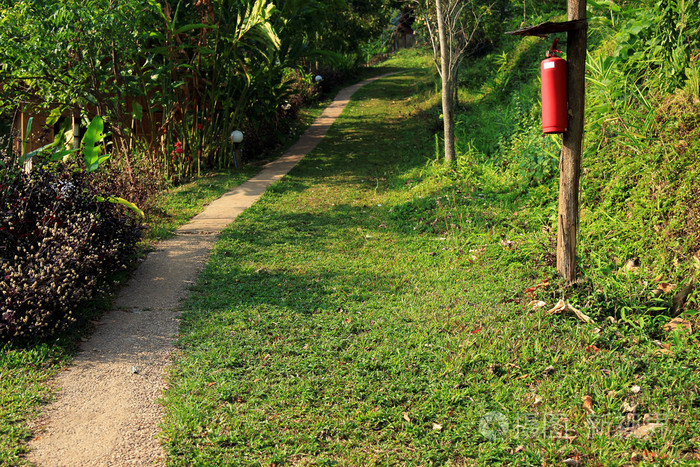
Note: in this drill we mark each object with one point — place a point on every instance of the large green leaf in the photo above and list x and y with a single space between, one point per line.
123 202
92 145
26 137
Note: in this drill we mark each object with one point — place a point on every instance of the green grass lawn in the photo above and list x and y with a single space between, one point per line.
373 309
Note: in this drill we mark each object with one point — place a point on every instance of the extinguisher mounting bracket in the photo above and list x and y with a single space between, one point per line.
553 51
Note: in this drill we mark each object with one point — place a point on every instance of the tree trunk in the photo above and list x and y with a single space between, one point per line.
447 86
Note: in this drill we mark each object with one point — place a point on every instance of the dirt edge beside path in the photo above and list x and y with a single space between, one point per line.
106 411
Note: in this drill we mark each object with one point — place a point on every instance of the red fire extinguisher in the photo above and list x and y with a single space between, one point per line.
553 72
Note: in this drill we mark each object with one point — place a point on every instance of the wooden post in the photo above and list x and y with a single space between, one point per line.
570 157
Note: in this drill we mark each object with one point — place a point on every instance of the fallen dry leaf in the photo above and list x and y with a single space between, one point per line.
406 417
579 314
531 290
592 349
665 287
651 455
664 348
588 403
631 265
437 426
573 462
680 297
536 304
645 430
563 306
696 259
635 389
538 401
558 308
678 322
629 408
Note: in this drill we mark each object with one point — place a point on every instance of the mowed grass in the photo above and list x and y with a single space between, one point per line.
372 310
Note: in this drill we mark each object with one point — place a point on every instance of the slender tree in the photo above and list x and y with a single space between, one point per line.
452 25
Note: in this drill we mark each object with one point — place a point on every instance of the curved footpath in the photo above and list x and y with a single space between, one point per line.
107 411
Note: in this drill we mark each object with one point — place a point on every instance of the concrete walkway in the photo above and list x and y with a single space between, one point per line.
107 411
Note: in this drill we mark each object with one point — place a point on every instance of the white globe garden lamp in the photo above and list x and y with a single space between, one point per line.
236 136
236 139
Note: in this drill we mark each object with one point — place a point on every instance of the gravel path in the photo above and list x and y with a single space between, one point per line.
107 411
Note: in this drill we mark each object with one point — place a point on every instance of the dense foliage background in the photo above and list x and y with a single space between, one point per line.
187 72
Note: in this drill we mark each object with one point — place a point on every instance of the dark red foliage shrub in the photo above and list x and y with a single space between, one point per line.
58 244
140 183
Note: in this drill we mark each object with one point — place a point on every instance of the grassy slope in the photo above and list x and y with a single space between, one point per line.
370 309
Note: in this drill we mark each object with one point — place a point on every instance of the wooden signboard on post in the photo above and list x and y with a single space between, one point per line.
570 156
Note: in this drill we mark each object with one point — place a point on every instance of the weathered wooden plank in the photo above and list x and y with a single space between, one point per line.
545 29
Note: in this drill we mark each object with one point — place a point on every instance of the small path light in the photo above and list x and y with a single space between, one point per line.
236 139
236 136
